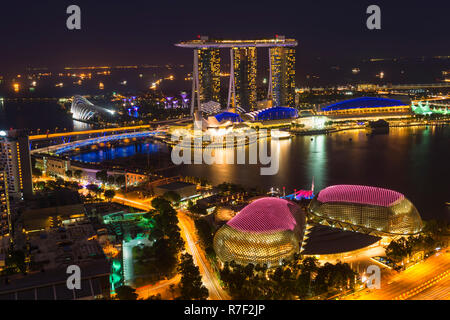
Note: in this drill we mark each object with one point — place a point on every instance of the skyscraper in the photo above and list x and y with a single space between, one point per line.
282 76
209 74
244 60
5 214
16 161
242 88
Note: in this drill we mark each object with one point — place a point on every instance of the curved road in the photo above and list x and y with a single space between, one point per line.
209 279
412 278
189 234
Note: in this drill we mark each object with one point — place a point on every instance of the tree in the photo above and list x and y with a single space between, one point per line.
165 233
36 172
109 194
398 250
204 232
15 261
77 174
161 204
95 189
92 187
120 180
40 185
102 176
191 285
111 180
172 290
196 208
69 173
126 293
155 297
172 196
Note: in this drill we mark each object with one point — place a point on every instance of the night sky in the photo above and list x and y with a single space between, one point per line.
34 33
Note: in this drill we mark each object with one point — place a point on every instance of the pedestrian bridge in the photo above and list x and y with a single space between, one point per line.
69 146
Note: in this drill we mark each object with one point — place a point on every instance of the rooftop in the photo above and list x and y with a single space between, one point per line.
266 215
364 102
51 285
277 42
360 194
327 240
173 186
63 246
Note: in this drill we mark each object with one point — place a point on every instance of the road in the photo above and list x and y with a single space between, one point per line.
134 203
189 235
413 278
209 279
160 287
440 291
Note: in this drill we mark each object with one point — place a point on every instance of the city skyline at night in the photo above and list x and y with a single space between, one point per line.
227 156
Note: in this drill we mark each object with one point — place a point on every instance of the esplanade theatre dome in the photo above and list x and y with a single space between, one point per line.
266 231
381 210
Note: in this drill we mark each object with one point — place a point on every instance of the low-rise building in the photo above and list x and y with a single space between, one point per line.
184 189
50 254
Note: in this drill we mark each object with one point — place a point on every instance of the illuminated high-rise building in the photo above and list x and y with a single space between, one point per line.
282 76
209 74
242 89
16 161
244 65
5 214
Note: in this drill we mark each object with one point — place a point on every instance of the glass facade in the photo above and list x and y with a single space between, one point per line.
245 77
266 231
5 218
258 248
282 61
399 218
209 74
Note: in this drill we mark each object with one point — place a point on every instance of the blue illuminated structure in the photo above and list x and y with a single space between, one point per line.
228 116
364 102
275 113
69 146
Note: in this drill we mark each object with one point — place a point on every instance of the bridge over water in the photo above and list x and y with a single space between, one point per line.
53 142
71 145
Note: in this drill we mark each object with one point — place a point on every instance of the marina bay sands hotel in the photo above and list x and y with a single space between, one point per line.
242 84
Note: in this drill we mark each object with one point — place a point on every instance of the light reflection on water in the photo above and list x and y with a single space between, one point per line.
413 161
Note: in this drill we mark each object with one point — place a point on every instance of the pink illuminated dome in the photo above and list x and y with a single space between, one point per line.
360 194
267 231
266 215
366 209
